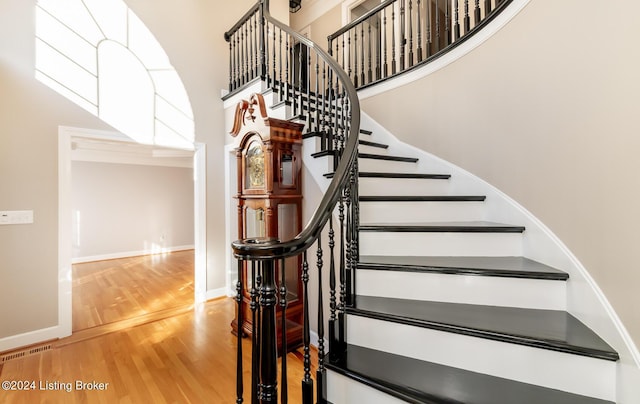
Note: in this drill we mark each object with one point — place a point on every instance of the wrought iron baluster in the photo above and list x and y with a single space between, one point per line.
284 393
287 82
378 48
316 95
333 343
268 387
467 19
487 8
438 29
355 57
273 62
280 81
456 26
307 381
239 379
254 53
393 39
255 348
429 18
231 67
403 36
385 69
369 71
410 33
447 23
321 393
419 31
477 14
246 51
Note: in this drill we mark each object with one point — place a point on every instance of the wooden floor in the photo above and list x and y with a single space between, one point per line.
145 343
114 290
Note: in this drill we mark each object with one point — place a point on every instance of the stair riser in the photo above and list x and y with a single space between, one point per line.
485 290
377 165
441 244
371 149
342 390
411 212
573 373
403 186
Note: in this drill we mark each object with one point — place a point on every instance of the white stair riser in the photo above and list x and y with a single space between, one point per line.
403 186
343 390
470 289
377 165
411 212
441 244
372 149
573 373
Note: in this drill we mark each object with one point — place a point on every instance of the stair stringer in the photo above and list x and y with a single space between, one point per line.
585 300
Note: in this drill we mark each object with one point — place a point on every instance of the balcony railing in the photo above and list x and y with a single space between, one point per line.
399 35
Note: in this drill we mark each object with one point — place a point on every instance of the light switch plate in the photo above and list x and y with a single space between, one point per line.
16 217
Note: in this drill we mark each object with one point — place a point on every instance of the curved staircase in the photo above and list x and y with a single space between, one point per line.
447 308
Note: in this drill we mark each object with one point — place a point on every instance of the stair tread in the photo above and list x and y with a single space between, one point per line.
548 329
422 198
367 174
458 227
417 381
387 157
373 144
516 267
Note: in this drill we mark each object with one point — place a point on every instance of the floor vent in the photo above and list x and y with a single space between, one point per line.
25 352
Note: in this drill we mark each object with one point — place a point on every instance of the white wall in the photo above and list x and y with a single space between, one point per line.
125 209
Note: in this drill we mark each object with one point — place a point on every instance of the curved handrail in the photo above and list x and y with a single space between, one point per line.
269 248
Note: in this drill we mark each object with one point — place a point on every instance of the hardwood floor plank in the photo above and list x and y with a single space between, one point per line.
189 357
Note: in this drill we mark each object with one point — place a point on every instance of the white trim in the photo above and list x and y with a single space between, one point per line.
126 254
64 327
230 211
30 338
199 222
456 53
216 293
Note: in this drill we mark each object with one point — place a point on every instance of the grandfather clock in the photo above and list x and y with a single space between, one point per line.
269 194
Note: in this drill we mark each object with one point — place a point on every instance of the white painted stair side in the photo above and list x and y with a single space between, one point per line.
403 186
343 390
367 164
470 289
567 372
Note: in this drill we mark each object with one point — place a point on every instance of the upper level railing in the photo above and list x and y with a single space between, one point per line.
399 35
322 95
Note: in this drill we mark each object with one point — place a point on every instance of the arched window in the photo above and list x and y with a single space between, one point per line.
98 54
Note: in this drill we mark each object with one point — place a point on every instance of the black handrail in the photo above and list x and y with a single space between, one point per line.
257 248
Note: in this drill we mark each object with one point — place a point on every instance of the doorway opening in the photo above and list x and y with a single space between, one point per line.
138 261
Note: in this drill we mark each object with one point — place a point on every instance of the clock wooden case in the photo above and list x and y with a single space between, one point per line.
269 195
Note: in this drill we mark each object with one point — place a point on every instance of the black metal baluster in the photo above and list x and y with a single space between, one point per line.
428 39
342 326
263 46
238 61
385 68
323 98
438 39
410 33
348 53
333 343
378 48
487 8
419 31
273 62
355 57
369 58
280 81
456 26
241 58
257 329
308 63
239 379
447 23
321 394
348 241
477 14
254 51
255 353
467 19
393 39
307 381
246 52
287 82
403 36
268 388
317 109
231 87
284 392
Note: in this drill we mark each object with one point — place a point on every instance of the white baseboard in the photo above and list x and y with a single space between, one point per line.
216 293
126 254
30 338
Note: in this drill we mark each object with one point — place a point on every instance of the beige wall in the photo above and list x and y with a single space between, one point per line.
551 107
191 33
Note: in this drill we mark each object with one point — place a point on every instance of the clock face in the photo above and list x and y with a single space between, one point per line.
255 166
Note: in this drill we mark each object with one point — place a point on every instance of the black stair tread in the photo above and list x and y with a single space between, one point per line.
373 144
440 227
513 267
418 176
387 157
422 198
417 381
548 329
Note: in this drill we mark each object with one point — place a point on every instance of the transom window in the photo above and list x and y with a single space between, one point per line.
98 54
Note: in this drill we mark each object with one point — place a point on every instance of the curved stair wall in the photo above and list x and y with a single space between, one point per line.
553 129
